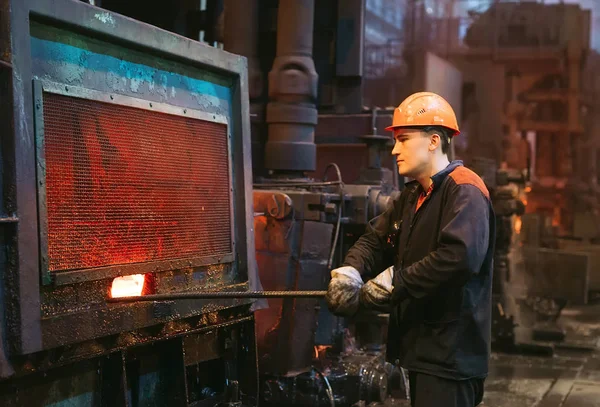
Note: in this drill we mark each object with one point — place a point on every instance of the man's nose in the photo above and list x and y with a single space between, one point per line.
396 149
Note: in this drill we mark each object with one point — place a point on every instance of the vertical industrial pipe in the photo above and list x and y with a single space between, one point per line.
241 37
291 111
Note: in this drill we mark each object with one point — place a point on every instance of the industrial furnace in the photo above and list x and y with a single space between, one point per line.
125 169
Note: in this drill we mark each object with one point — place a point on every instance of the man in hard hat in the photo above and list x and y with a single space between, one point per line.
432 254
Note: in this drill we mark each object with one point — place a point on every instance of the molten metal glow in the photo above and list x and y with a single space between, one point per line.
128 286
320 351
518 225
556 217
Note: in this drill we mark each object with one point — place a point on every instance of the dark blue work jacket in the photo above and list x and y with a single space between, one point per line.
443 257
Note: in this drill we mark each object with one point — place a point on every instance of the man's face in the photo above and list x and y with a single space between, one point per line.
412 149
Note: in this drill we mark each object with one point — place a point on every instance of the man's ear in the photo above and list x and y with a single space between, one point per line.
435 141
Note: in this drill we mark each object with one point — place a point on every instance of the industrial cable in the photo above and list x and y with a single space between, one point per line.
220 295
340 206
329 390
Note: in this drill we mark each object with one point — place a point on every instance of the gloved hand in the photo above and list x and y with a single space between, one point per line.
343 291
376 294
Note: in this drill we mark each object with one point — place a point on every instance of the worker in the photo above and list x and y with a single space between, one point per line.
432 254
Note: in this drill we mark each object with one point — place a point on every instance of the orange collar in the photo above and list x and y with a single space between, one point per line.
424 196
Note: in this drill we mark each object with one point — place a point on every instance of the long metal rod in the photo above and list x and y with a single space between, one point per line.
297 184
219 295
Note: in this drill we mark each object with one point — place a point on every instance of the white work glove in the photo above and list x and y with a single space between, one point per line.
376 293
343 291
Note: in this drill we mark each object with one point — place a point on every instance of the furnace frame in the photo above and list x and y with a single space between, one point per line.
28 330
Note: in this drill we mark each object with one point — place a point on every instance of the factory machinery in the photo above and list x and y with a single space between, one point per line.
127 170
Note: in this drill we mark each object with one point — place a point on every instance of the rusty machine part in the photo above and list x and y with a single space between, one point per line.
358 375
350 379
221 295
302 224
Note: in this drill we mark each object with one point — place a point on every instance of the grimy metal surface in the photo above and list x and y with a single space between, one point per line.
117 380
101 273
137 337
292 255
67 24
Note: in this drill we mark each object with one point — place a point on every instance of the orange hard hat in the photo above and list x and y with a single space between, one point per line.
425 109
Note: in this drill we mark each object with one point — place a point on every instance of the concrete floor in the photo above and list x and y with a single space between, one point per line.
569 378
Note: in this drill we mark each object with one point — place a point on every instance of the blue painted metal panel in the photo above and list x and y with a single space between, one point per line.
79 61
80 400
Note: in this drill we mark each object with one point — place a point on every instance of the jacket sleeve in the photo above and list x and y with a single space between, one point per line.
369 255
462 246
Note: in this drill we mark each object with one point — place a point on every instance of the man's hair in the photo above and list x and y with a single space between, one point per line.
444 136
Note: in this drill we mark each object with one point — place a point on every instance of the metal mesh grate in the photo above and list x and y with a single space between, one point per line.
127 185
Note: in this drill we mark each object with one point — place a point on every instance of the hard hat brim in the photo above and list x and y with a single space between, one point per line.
454 134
